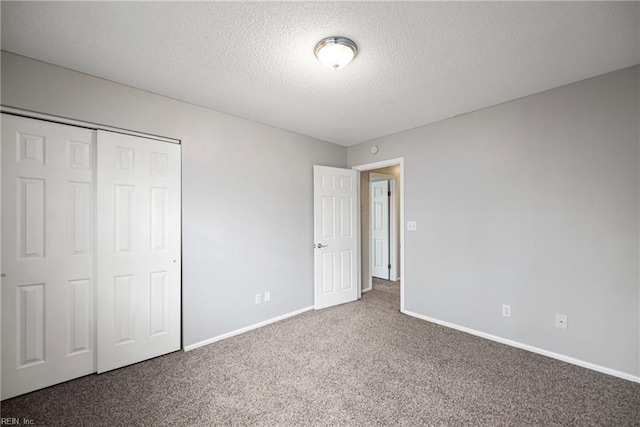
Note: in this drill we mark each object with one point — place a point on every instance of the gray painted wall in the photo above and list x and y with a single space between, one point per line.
532 203
247 192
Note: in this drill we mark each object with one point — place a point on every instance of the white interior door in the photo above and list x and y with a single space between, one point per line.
47 248
138 249
380 266
336 260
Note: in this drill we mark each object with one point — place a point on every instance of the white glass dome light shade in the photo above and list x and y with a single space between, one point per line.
336 52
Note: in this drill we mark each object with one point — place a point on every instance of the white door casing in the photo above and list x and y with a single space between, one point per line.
336 256
138 251
380 263
400 215
47 248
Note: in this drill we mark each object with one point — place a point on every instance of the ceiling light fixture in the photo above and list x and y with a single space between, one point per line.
336 52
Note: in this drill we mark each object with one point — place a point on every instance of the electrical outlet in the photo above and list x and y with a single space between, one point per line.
506 310
267 296
562 321
258 298
412 226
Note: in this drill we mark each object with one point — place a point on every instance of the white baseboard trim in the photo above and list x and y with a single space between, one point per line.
245 329
530 348
367 290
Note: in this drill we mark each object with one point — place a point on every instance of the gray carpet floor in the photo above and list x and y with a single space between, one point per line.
357 364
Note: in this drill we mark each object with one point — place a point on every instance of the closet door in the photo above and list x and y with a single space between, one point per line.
138 262
47 221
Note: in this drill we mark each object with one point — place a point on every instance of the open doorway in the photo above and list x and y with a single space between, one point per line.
379 225
381 219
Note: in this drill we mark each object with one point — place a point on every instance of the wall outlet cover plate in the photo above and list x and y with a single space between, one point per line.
562 321
506 310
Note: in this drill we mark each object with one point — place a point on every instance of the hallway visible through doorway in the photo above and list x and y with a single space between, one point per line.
380 225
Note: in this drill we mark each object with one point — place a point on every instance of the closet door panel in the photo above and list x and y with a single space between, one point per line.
138 249
47 222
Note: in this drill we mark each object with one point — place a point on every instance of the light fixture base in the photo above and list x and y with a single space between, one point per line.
336 52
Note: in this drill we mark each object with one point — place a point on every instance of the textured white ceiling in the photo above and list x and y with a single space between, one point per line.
418 62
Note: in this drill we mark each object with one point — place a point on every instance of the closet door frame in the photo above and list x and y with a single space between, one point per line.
83 124
94 127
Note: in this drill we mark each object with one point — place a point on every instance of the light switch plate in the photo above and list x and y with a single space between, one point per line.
412 226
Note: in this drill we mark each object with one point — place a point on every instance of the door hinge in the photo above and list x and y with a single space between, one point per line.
389 266
389 193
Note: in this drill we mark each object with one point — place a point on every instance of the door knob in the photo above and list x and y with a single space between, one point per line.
320 246
3 275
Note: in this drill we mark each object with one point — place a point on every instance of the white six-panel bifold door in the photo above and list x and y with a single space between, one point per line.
90 251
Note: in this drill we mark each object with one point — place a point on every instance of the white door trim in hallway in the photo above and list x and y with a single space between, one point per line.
394 258
378 165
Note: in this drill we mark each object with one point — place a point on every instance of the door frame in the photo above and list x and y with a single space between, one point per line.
398 161
393 225
81 123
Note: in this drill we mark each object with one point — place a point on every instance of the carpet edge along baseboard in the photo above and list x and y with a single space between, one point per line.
533 349
245 329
